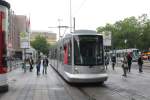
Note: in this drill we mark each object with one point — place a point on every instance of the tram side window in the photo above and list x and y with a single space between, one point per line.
69 53
55 53
60 55
65 54
52 54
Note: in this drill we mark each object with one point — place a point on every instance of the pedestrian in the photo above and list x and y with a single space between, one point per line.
113 59
129 58
140 63
38 65
106 61
125 66
45 65
31 62
24 66
10 62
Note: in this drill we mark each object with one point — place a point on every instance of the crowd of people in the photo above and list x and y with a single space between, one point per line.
45 65
38 63
126 63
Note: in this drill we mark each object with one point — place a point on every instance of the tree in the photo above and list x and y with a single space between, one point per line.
126 29
41 45
144 22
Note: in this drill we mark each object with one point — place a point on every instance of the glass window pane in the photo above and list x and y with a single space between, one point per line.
88 50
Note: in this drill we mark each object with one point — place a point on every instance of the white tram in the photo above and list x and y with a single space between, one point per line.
79 57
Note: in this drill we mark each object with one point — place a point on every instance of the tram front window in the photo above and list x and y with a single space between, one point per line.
88 50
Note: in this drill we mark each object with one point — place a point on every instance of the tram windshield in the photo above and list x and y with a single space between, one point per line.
88 50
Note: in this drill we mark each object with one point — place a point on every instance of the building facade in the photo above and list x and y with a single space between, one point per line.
17 25
50 36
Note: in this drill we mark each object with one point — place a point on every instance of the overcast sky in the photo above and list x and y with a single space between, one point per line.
89 14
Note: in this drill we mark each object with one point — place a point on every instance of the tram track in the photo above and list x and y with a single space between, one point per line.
72 88
86 94
146 70
94 92
113 92
132 93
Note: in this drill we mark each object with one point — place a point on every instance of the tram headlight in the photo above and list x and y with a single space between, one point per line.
76 70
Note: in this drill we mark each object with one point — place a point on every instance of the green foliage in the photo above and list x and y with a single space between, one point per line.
40 44
135 30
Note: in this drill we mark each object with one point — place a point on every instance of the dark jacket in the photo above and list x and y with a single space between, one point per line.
129 58
113 59
38 63
140 61
45 62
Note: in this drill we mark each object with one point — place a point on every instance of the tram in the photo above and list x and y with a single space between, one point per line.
79 57
4 7
120 52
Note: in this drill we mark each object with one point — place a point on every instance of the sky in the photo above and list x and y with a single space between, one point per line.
89 14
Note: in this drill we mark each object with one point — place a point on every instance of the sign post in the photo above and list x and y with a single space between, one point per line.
24 41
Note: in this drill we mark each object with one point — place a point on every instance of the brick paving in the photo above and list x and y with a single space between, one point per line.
29 86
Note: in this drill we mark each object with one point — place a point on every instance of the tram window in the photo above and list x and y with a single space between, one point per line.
60 54
55 53
88 50
65 54
69 53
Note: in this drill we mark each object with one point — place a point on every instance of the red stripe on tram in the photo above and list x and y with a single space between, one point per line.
3 68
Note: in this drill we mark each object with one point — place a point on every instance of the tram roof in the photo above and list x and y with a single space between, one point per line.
82 32
4 3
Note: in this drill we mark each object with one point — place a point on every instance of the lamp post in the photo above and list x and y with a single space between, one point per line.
59 29
125 41
70 16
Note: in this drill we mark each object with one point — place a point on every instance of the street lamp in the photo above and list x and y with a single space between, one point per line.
125 41
59 28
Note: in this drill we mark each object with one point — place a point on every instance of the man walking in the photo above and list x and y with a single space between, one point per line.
38 65
31 64
129 58
124 66
113 59
45 65
140 63
106 61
